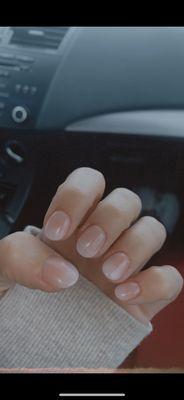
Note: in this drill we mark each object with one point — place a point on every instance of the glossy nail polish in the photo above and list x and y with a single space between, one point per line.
59 272
57 225
116 266
127 291
91 241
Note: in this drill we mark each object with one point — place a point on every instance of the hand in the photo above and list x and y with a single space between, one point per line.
53 263
107 245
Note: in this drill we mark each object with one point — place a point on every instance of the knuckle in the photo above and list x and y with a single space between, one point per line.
156 227
126 194
84 179
12 245
161 282
95 171
170 285
88 171
177 282
99 176
136 237
69 197
60 187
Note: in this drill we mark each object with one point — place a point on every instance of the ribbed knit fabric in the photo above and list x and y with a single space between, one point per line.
79 327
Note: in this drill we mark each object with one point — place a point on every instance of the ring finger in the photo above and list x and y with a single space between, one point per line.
133 249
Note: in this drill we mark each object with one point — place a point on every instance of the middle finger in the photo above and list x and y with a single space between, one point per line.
112 216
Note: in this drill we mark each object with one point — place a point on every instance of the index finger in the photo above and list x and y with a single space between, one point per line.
80 193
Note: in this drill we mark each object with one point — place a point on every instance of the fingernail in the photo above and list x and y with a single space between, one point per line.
116 266
57 225
127 291
59 273
91 241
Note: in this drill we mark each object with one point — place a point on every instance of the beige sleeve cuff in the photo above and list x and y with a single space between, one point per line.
79 327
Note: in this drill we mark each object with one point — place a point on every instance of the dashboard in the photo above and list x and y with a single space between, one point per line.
53 77
28 60
107 97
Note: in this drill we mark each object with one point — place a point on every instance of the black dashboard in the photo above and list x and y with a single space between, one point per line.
29 58
52 77
107 97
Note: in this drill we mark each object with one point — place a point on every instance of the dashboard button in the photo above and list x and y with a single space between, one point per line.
3 85
18 88
25 89
6 74
4 94
7 56
19 114
16 68
33 90
25 58
25 67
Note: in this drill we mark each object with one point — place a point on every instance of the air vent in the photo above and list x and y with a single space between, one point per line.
41 37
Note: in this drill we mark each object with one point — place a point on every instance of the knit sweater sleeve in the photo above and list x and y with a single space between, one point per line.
76 328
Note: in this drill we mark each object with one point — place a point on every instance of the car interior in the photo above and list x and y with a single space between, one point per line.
110 98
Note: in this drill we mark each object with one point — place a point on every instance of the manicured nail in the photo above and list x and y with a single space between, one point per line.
57 225
116 266
91 241
59 273
127 291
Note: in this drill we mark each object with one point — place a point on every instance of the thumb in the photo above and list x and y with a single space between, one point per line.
28 261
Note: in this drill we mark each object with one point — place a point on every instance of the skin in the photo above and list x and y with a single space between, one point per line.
27 259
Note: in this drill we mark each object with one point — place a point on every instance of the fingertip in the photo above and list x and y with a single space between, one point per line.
57 226
59 273
127 291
